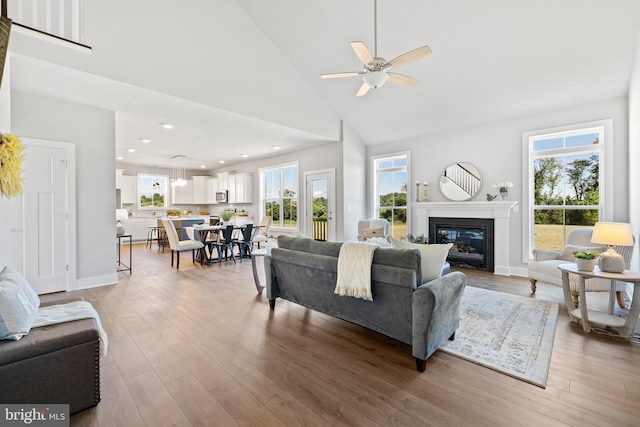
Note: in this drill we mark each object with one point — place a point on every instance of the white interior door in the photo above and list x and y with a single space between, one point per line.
320 205
39 221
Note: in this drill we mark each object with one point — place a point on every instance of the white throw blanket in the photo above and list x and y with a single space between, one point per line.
354 270
54 314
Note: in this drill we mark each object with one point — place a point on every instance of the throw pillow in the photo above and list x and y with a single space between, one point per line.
383 242
433 257
567 253
18 305
368 233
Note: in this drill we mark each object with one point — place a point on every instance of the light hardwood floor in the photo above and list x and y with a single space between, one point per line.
200 347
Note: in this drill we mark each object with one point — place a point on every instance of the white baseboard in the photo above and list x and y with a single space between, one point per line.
96 281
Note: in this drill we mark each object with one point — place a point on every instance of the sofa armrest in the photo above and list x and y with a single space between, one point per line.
436 313
545 254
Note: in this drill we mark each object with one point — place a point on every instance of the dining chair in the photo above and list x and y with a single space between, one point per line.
177 245
225 242
263 230
246 243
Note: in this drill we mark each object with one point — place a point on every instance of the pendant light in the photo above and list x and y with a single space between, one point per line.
179 175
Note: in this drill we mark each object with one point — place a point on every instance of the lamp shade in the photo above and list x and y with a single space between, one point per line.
612 234
121 214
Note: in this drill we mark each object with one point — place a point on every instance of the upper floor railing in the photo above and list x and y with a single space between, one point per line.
62 19
462 177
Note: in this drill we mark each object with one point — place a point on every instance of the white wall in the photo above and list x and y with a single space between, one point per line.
5 127
354 166
316 158
634 154
496 150
92 130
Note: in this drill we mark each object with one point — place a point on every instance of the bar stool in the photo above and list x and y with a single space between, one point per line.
162 239
152 234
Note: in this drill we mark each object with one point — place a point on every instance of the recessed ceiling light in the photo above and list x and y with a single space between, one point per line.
244 155
276 147
145 140
203 166
221 161
119 158
131 150
167 125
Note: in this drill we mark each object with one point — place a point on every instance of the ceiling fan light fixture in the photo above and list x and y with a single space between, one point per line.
375 79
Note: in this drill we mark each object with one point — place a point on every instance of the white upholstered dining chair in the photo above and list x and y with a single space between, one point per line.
176 245
263 231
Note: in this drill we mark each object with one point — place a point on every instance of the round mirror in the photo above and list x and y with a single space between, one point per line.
460 181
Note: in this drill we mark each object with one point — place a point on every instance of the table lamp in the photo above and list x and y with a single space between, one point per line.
612 234
120 215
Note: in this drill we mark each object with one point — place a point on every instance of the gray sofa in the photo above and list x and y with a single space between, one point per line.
424 316
53 364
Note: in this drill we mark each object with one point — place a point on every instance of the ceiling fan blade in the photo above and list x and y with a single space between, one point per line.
337 75
409 57
362 52
401 79
363 90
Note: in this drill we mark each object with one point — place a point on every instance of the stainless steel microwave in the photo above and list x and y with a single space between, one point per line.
221 196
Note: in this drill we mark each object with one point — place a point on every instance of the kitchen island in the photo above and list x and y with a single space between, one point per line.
180 222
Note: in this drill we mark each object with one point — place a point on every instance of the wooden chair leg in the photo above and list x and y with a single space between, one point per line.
171 257
533 285
178 260
620 299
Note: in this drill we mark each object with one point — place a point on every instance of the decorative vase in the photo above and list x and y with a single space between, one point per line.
585 264
119 229
504 194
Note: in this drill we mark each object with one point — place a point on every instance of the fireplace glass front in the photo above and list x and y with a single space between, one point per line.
472 240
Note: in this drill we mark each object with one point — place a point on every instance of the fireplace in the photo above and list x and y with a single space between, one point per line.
472 238
498 211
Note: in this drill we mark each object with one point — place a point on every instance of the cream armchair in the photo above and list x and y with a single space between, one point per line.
544 268
374 227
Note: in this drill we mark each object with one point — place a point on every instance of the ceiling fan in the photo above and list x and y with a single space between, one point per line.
377 69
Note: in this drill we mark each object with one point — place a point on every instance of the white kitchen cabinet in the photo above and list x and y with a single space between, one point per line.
119 178
212 188
200 189
223 181
137 228
240 188
128 193
183 195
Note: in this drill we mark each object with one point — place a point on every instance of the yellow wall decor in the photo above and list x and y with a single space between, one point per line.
10 165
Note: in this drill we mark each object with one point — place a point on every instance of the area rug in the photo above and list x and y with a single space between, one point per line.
507 333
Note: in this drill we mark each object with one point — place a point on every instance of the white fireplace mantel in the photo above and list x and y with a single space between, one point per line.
499 211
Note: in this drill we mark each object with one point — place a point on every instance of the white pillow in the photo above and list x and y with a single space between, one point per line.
369 233
433 257
383 242
18 305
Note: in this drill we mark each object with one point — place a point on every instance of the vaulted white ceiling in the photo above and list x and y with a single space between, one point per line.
239 77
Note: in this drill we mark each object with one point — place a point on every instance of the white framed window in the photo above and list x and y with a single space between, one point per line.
390 191
568 182
152 191
279 195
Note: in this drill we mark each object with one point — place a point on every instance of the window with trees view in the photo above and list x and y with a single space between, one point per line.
152 191
280 195
565 184
390 191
